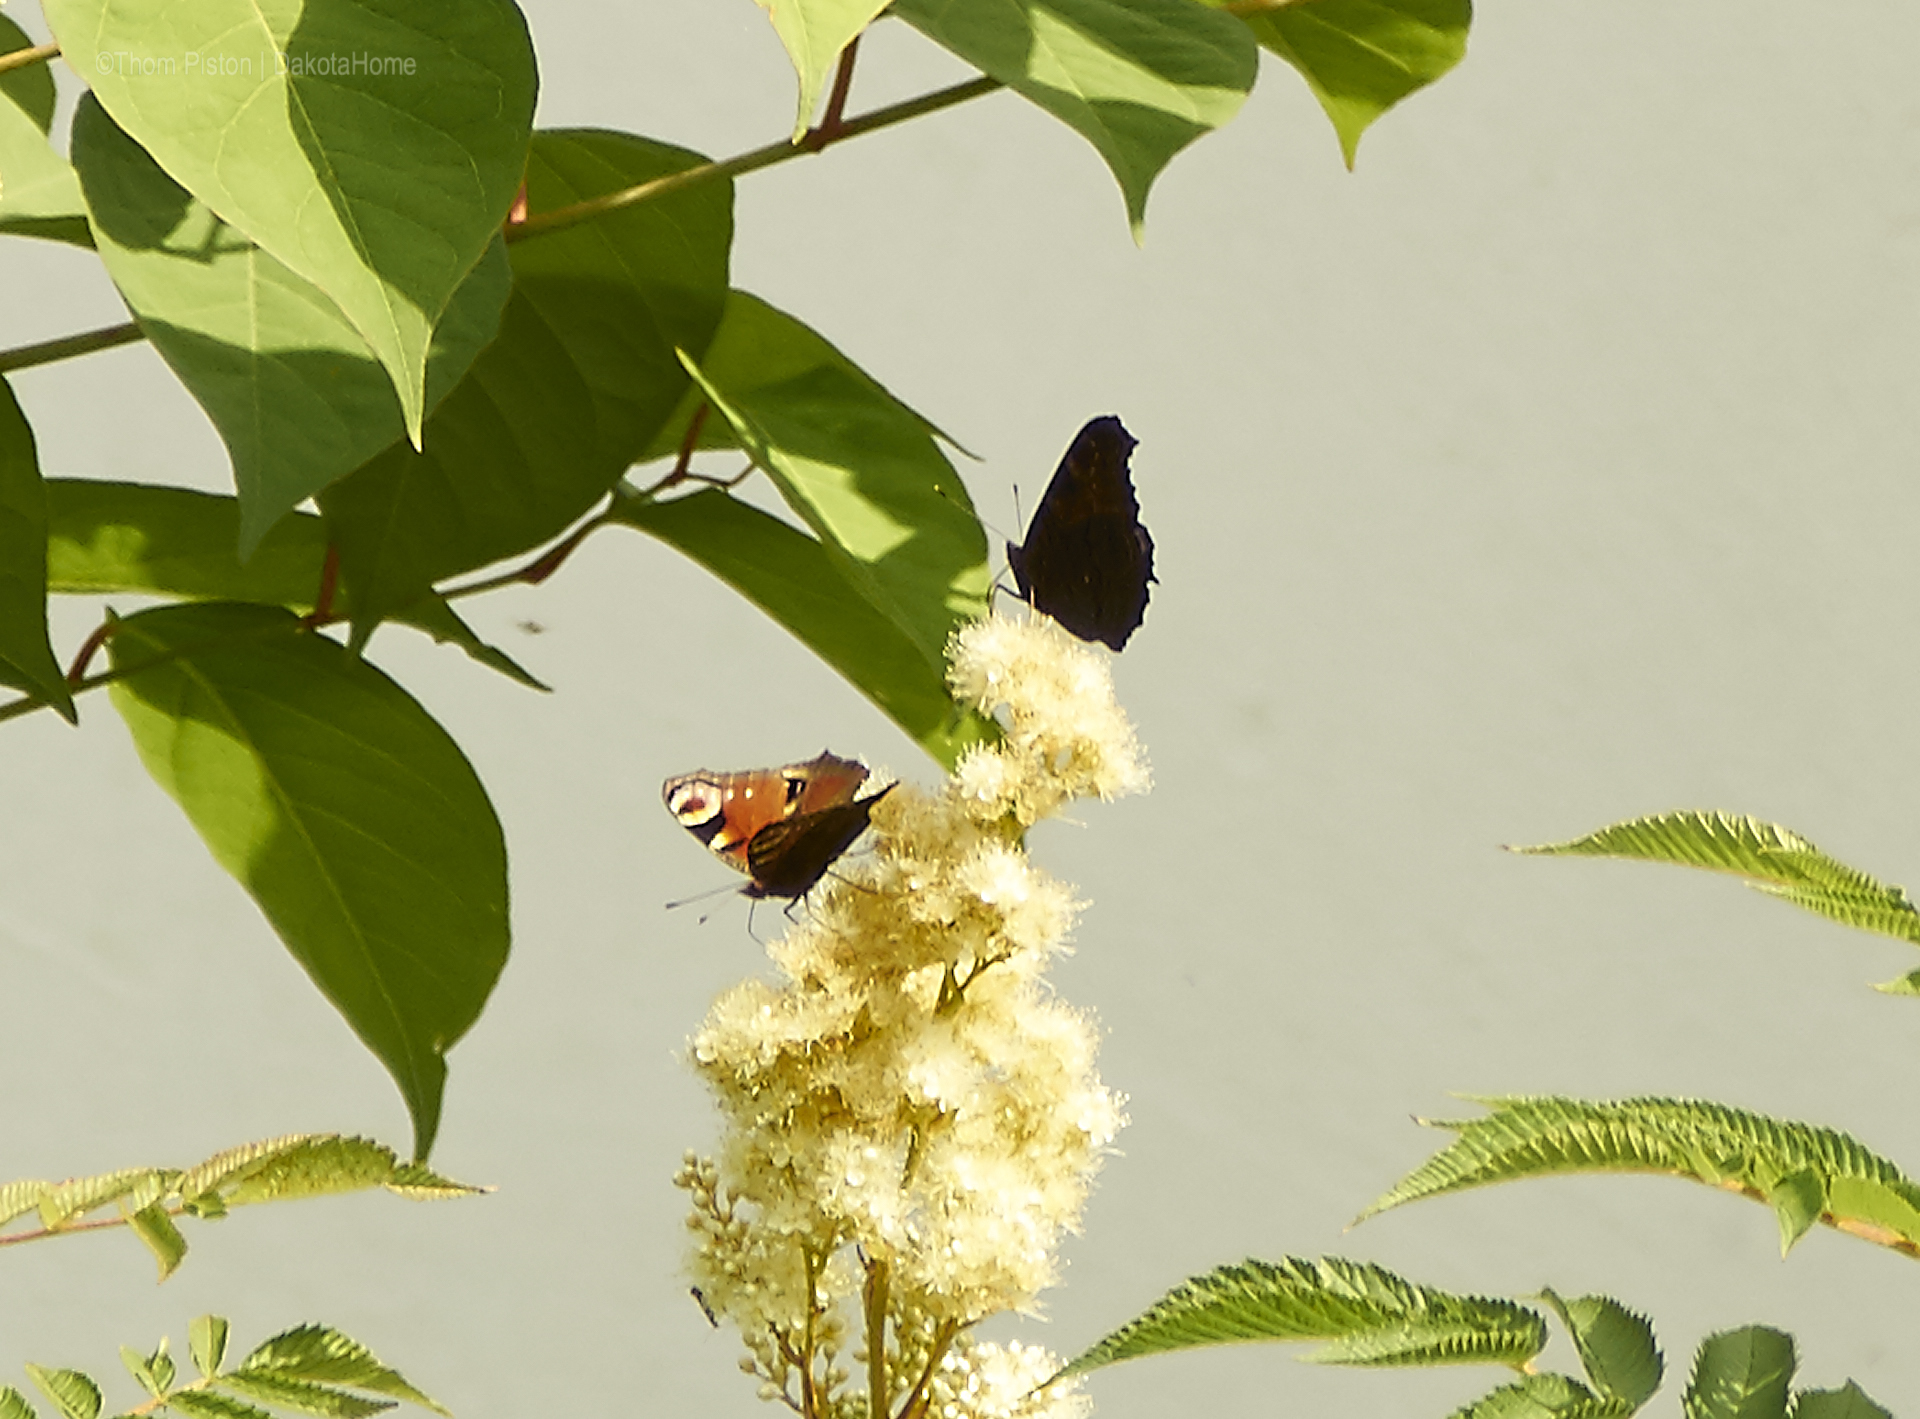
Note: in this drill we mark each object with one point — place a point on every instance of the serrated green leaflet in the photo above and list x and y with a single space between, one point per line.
1361 57
296 394
19 1198
861 469
1867 1196
580 380
1849 1403
210 1404
381 182
73 1394
1773 859
1138 79
66 1201
27 661
1798 1199
814 32
207 1343
1548 1396
304 1396
1616 1346
1741 1374
154 1372
38 193
1364 1311
174 542
321 1355
790 576
155 1229
14 1405
349 815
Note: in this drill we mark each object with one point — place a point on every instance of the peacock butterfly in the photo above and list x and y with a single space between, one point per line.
782 827
1087 558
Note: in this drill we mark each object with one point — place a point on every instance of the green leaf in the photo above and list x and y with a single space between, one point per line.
13 1404
1771 858
1798 1199
72 1393
1849 1403
295 393
38 193
858 467
581 379
1867 1196
792 578
153 1226
19 1198
154 1372
814 32
347 813
321 1355
1138 79
209 1404
1544 1396
1616 1346
1741 1374
304 1396
68 1201
1361 57
26 654
1369 1315
207 1343
174 542
380 183
311 1165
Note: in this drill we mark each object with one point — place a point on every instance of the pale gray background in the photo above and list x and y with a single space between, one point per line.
1556 467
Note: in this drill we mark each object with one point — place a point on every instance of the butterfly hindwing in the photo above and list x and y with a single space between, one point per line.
782 827
1088 557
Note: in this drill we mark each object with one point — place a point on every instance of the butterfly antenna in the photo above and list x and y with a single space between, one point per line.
701 897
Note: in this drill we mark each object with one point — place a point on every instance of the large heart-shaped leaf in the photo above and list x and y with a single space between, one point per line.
344 810
26 655
581 378
38 193
1138 79
372 146
1361 57
103 538
296 394
792 578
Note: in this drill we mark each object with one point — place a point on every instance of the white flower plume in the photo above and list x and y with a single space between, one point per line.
911 1120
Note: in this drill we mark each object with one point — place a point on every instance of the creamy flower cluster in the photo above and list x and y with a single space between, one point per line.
911 1120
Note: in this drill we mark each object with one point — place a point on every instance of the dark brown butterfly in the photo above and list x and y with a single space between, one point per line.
782 827
1087 558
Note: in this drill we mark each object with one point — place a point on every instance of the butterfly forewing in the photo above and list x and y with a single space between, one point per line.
1088 557
782 827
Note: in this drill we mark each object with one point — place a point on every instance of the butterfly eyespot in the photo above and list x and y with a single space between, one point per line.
782 827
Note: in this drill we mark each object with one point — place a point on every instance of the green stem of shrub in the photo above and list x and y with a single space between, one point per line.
560 218
21 58
67 346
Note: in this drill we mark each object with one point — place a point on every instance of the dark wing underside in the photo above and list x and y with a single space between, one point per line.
1088 558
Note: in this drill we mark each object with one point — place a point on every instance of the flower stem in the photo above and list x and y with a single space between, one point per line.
560 218
875 1299
67 346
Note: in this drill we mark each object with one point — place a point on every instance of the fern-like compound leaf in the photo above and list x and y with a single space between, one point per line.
1773 859
1365 1313
1788 1165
